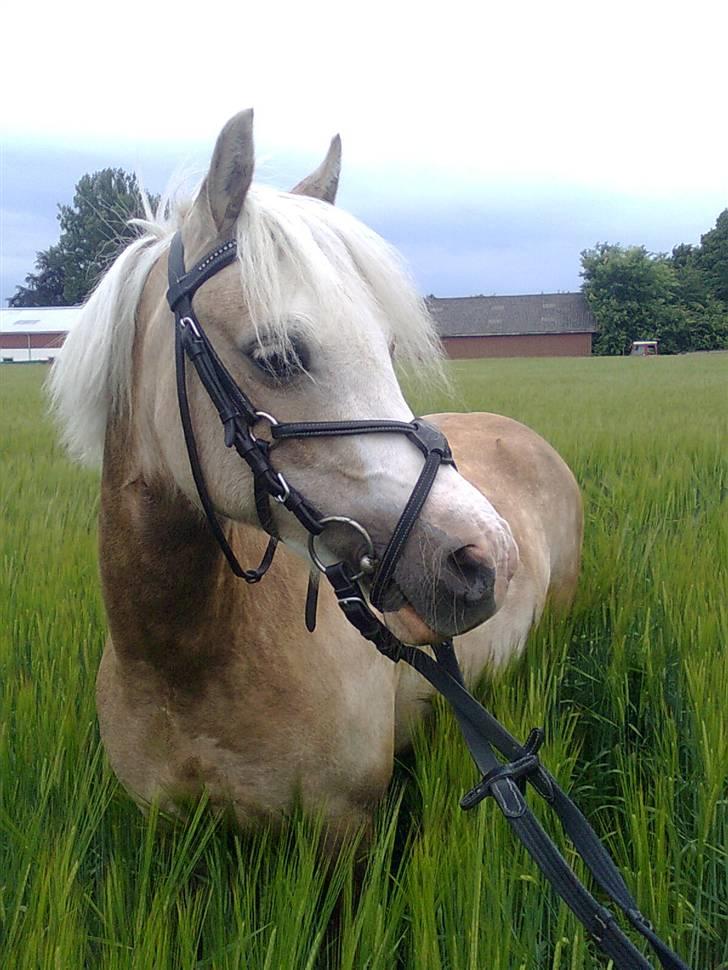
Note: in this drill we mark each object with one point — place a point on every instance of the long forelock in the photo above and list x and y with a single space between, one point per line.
346 268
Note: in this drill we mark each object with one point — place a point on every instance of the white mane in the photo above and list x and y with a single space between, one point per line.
339 260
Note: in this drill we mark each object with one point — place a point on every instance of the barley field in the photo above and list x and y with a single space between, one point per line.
632 689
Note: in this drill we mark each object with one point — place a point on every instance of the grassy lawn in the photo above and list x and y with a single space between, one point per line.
632 689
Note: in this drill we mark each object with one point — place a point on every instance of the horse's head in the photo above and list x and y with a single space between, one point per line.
309 320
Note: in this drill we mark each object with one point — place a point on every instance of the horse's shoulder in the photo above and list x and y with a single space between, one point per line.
521 474
500 442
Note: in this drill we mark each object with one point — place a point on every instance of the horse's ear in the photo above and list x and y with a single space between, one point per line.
231 172
323 183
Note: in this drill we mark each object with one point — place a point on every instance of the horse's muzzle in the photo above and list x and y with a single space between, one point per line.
445 592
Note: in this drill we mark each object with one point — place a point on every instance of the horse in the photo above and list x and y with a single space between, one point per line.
207 684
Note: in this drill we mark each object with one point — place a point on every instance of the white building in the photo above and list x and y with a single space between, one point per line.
34 333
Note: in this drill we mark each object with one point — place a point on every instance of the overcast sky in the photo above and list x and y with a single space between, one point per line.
490 143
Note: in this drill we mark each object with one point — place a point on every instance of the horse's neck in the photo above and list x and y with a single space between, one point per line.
170 597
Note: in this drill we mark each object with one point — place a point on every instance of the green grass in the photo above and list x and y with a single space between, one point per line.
632 688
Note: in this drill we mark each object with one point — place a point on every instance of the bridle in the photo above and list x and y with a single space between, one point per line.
504 781
239 417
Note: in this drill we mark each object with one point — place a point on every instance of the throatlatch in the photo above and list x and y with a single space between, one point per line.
503 780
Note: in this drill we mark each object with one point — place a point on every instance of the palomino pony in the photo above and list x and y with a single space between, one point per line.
207 683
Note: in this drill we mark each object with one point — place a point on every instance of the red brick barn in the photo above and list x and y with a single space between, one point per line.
547 325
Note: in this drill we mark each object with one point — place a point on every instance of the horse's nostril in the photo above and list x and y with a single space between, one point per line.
473 572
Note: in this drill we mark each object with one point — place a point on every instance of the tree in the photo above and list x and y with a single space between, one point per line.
692 286
93 231
45 287
631 293
696 327
636 295
711 258
705 316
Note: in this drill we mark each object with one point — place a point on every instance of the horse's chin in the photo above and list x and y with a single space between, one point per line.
407 626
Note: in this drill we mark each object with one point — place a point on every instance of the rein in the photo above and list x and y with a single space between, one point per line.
503 780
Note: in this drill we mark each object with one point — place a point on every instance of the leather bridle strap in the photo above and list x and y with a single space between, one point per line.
249 575
505 782
235 410
182 284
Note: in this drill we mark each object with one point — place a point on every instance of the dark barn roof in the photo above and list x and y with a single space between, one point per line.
476 316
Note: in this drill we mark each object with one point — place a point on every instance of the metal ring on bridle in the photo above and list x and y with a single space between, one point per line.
344 520
283 497
263 416
189 322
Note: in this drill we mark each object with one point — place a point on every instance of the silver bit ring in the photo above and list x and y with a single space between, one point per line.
366 563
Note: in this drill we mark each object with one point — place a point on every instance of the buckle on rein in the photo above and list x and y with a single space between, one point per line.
517 770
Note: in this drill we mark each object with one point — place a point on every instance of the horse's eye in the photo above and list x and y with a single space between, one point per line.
278 365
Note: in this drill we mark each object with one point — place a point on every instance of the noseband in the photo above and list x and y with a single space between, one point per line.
239 416
504 781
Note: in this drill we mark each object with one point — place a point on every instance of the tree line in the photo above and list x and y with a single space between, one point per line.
680 299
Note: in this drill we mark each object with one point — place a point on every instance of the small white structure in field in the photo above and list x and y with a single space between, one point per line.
34 333
643 348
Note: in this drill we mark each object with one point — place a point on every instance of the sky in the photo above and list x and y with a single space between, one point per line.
491 143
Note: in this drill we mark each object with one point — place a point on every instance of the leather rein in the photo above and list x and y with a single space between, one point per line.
503 780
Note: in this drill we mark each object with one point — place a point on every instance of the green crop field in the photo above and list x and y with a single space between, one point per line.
632 689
